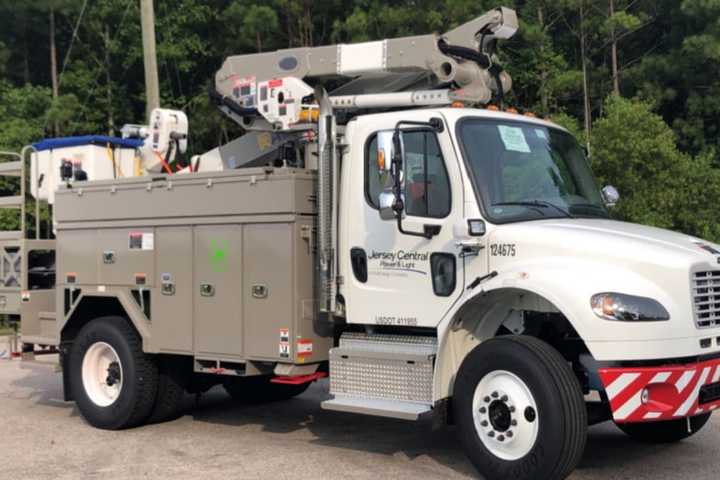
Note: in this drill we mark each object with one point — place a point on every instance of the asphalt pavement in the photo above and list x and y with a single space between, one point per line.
44 437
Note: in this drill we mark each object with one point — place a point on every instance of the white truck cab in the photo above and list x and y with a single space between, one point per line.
505 232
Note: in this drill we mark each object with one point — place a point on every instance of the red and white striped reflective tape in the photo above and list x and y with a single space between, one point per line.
659 393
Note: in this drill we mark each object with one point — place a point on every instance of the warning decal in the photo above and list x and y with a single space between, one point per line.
304 348
141 241
284 345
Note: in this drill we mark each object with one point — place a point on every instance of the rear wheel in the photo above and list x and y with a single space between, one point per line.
519 410
113 382
259 389
171 392
669 431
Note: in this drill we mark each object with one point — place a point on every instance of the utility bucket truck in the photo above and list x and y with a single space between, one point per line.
433 256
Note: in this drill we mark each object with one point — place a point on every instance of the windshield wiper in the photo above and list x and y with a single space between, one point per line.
600 209
536 204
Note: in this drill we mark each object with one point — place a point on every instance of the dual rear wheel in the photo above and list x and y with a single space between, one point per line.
116 385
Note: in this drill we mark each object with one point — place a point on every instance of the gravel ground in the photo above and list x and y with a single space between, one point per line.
46 438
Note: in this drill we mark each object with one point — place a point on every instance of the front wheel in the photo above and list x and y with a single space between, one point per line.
520 410
668 431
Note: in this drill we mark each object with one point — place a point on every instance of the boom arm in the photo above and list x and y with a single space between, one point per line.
273 86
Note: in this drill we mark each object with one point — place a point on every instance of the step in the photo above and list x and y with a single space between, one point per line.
11 169
387 368
377 407
11 202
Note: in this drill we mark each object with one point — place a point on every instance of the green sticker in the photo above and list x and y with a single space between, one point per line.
218 255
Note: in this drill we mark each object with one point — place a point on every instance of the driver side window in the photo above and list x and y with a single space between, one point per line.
426 185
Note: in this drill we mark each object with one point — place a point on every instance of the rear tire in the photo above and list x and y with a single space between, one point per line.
258 389
113 382
668 431
520 411
171 392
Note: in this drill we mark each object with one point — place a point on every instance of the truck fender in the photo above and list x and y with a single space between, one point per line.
90 305
477 317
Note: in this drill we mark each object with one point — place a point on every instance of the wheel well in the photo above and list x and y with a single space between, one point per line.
88 309
507 312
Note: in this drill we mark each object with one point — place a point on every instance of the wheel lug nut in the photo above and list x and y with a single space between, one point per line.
487 399
495 394
501 438
513 423
484 423
512 409
504 398
491 434
509 434
483 409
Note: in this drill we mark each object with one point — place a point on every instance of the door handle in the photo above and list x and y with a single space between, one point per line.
358 259
207 290
469 249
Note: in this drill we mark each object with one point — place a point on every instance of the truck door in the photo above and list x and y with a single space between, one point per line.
391 278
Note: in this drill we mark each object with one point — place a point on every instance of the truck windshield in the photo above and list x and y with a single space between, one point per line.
524 172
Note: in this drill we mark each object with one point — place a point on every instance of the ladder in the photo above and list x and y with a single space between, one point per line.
15 167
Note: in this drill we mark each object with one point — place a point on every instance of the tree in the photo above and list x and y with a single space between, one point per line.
634 149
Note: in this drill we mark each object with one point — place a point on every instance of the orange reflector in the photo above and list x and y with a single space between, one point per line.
511 110
381 160
458 105
493 108
309 116
530 114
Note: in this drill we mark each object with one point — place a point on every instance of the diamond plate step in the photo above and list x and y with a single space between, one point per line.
377 407
384 375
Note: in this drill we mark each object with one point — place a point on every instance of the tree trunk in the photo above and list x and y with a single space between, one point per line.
544 101
53 67
108 82
614 51
259 41
26 50
583 59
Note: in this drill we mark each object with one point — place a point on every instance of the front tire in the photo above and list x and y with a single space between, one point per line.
520 410
113 382
668 431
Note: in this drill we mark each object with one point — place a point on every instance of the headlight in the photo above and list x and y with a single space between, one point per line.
628 308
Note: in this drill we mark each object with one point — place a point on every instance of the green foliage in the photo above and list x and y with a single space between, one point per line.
635 150
668 55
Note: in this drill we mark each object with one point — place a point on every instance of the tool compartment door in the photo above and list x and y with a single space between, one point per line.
269 297
172 304
218 286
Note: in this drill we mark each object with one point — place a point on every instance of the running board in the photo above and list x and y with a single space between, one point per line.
377 407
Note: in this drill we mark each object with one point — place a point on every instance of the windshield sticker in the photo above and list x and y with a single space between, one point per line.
541 134
514 139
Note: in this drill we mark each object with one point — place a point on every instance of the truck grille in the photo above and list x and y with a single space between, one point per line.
706 295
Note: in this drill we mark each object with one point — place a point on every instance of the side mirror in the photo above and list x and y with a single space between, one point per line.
391 158
389 162
384 151
386 204
610 195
